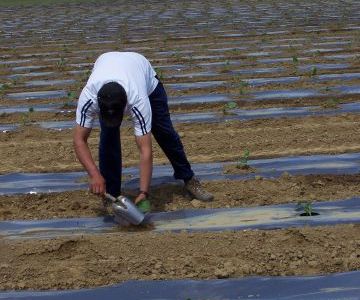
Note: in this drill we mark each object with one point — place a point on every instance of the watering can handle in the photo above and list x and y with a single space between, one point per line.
110 197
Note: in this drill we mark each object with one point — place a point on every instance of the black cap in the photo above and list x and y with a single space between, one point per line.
112 101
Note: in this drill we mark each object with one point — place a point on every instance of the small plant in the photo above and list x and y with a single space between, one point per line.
31 109
228 106
231 105
71 96
226 67
5 86
25 119
295 59
243 162
177 54
240 84
66 49
313 71
159 73
331 103
306 208
60 64
14 80
66 105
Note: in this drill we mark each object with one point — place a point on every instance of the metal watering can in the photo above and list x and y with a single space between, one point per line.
125 210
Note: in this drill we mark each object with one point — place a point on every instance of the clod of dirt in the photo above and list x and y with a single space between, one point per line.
75 206
196 203
238 169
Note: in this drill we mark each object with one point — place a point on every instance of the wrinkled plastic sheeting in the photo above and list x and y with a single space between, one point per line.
304 93
208 117
17 183
34 183
238 218
37 95
237 114
8 127
333 286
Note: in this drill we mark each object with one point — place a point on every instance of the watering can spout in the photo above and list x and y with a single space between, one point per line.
125 209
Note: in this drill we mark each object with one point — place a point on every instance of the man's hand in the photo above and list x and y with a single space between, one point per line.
97 182
140 197
97 185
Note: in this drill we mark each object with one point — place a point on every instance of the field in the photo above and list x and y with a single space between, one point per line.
265 97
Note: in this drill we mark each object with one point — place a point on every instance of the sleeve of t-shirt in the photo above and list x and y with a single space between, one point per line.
86 109
141 116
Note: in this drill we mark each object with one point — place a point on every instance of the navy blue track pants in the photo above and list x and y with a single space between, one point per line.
110 162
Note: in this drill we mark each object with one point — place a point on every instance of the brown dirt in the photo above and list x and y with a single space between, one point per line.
36 150
29 118
88 261
260 191
68 114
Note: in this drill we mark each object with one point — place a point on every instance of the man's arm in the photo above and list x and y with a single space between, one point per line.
97 182
145 148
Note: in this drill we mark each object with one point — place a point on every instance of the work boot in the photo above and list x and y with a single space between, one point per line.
193 186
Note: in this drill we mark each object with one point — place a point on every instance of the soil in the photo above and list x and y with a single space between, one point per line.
244 193
67 112
88 261
32 149
57 36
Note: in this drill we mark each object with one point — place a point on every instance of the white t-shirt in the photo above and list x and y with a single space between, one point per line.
134 73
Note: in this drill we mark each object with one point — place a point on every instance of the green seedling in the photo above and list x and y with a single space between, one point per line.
5 86
306 208
177 54
66 105
313 71
295 59
242 87
14 81
231 105
228 106
159 73
31 109
85 76
226 67
331 103
25 119
243 162
60 64
71 96
240 84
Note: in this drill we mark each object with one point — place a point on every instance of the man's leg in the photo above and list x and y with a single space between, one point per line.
166 136
169 141
110 158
